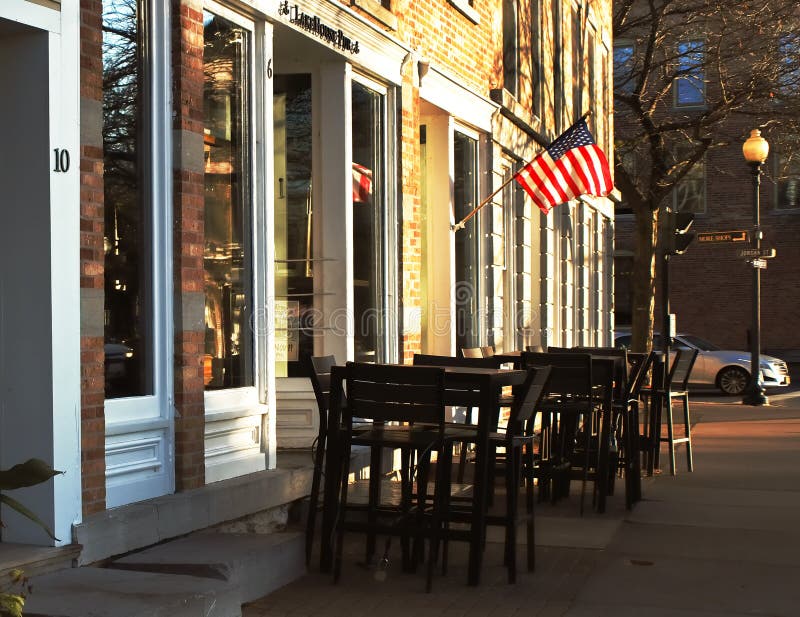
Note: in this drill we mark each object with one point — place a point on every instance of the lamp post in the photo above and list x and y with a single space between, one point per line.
755 151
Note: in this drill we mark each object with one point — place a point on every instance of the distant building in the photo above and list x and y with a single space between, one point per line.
710 285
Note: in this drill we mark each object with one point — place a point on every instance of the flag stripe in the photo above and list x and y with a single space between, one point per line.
549 180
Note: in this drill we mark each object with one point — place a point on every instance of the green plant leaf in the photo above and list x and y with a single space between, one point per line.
31 472
11 605
13 503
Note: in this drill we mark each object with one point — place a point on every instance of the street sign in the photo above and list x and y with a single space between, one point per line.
759 263
762 253
715 237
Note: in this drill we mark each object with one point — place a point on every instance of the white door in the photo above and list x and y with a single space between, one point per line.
237 124
138 250
40 398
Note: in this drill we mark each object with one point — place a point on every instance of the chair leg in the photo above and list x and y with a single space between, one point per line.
374 501
313 500
687 431
437 518
340 523
529 509
512 492
670 434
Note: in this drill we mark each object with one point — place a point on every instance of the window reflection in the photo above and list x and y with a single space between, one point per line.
297 323
367 169
467 240
128 317
226 258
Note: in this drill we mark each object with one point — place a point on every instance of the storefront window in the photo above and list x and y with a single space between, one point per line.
297 318
127 246
368 221
228 360
467 241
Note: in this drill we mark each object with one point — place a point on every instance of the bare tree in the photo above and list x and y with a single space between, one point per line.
721 59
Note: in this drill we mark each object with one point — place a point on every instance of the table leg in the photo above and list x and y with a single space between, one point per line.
489 403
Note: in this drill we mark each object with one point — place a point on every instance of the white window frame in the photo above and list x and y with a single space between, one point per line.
701 74
481 159
387 342
123 413
246 408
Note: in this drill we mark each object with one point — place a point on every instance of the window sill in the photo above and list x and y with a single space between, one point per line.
513 108
466 10
376 10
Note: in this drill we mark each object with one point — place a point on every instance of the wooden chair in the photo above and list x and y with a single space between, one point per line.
626 425
660 398
579 408
320 372
517 441
412 397
468 361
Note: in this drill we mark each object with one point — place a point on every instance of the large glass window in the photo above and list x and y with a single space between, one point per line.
368 137
127 238
690 193
467 241
510 47
297 318
690 87
787 183
577 65
228 360
624 68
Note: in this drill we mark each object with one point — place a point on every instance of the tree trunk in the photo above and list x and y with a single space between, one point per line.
643 277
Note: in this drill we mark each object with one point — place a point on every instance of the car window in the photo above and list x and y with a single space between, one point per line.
701 344
623 342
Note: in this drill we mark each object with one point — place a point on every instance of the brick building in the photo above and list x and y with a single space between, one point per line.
230 187
710 285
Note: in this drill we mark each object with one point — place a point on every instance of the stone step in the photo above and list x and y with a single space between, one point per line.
35 560
104 592
256 564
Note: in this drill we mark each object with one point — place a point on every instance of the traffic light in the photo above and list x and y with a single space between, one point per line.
678 238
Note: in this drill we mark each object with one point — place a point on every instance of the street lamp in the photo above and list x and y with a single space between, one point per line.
755 151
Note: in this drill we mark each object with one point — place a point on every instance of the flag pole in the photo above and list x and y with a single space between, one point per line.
460 225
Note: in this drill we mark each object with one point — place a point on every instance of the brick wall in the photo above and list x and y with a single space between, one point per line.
411 263
92 258
710 286
188 213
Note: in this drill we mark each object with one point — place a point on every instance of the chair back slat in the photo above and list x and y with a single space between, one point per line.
640 367
571 374
527 400
394 393
681 368
421 359
320 374
471 352
487 351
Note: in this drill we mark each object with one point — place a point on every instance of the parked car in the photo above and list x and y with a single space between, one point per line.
725 369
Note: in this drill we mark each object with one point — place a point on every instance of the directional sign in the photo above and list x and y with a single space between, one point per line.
759 263
715 237
762 253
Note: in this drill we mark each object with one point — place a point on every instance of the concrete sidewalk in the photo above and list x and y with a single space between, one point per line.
724 540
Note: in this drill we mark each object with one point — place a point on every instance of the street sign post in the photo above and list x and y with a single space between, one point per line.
762 253
719 237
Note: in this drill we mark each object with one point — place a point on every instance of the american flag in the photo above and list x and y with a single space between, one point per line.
572 165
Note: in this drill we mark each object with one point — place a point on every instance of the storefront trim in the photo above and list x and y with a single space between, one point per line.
377 53
462 103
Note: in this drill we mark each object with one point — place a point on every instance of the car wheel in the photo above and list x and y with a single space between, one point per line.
733 380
